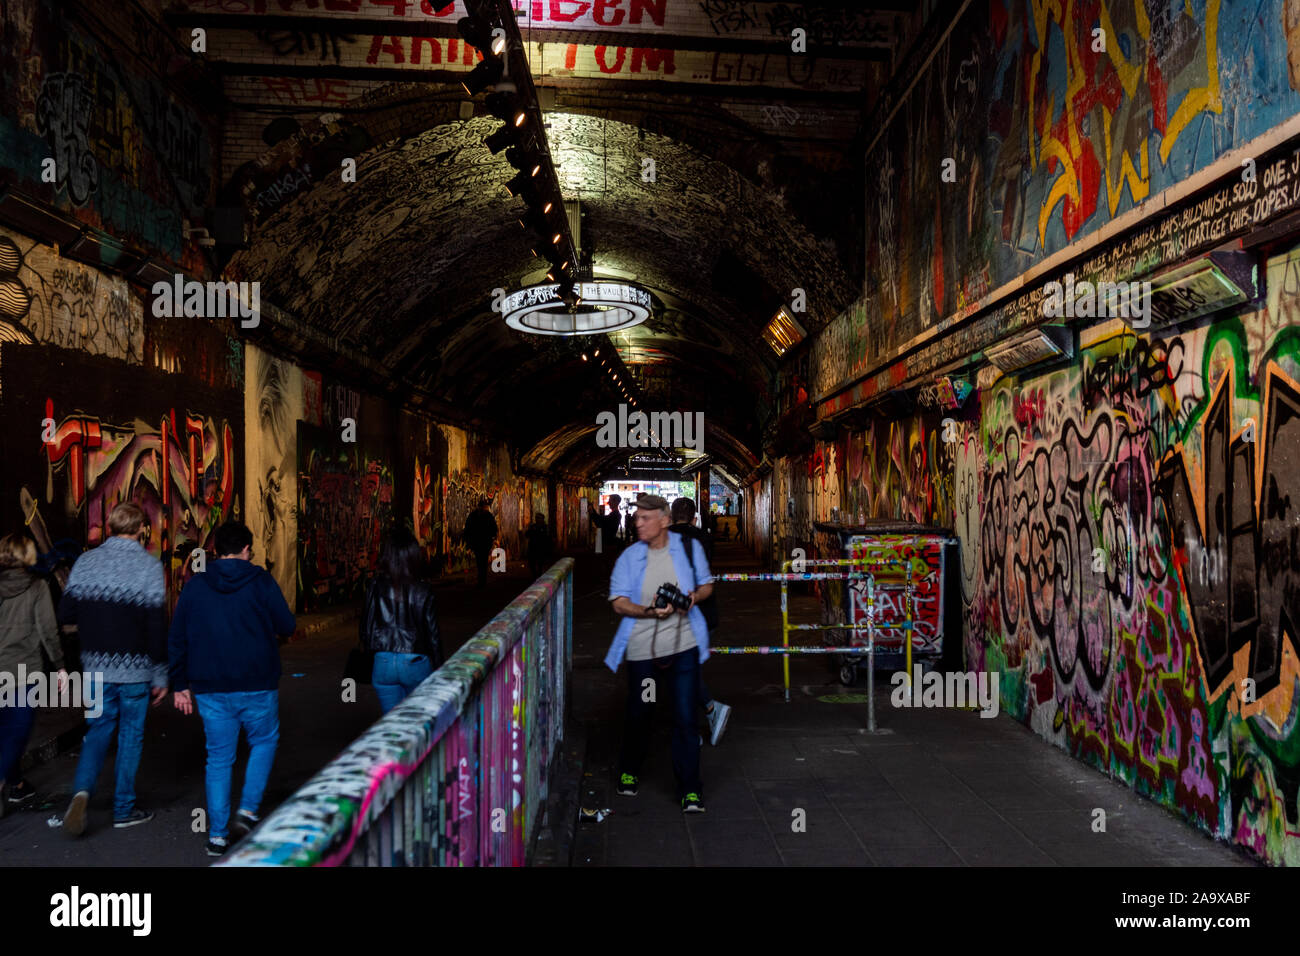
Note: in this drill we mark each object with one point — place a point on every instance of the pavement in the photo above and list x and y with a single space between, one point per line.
798 783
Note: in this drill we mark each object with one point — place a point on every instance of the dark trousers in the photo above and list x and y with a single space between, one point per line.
482 558
15 730
679 681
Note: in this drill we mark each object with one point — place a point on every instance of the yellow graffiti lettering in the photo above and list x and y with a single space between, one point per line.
1201 97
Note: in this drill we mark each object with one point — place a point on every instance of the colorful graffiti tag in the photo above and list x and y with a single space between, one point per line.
1033 127
1128 552
345 503
181 471
82 437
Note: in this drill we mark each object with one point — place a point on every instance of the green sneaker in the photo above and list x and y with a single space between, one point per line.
692 803
627 785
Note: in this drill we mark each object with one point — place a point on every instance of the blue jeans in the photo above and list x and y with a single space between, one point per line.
15 730
258 713
396 675
125 707
680 679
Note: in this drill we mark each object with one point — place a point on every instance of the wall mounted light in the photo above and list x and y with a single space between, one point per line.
1044 343
783 332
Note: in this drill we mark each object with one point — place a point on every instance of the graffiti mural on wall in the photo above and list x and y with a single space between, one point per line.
1128 553
202 351
1049 139
758 516
1077 603
461 491
181 472
128 156
425 518
345 504
171 448
48 300
273 403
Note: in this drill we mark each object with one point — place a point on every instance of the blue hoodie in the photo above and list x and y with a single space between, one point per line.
223 634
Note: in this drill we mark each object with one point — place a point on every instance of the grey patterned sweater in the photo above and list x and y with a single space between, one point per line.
116 596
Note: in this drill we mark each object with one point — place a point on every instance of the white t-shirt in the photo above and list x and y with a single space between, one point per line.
674 632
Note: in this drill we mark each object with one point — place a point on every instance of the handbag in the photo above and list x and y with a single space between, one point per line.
709 606
360 666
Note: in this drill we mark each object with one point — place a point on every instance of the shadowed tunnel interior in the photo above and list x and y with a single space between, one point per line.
1000 292
440 227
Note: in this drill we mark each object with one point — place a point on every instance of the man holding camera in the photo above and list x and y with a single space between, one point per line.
664 640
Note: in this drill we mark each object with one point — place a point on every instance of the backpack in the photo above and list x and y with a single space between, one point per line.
709 606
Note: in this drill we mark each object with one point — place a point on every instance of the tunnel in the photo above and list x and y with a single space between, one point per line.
921 370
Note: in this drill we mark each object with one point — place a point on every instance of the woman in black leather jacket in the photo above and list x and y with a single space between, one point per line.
400 623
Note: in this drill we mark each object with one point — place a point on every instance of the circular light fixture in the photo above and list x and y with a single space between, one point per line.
606 307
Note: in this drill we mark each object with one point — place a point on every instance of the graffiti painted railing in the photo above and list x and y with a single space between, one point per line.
454 775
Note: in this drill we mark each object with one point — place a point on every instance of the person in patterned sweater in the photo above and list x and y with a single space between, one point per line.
116 596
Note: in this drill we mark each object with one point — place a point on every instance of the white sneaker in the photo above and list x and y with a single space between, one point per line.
718 721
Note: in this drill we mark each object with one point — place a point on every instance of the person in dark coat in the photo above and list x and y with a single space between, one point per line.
610 523
480 533
541 549
225 662
629 526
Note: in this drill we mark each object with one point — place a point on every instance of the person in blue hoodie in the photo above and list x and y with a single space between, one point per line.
225 659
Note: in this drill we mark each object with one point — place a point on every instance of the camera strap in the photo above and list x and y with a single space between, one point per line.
654 637
677 643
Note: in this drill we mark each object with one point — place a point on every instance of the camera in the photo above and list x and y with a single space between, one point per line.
669 594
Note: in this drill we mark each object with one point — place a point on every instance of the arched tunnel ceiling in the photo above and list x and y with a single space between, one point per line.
572 448
400 266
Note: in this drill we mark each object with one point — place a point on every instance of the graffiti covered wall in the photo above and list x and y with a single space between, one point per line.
46 299
168 443
1128 557
97 132
346 491
1028 133
273 405
757 517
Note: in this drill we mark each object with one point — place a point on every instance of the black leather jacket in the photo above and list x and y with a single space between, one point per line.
408 626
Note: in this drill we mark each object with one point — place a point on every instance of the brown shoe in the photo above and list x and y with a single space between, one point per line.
74 821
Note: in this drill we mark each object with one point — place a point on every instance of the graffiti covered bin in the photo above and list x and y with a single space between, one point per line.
890 549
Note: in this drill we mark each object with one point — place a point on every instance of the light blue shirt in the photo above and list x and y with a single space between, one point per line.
629 575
